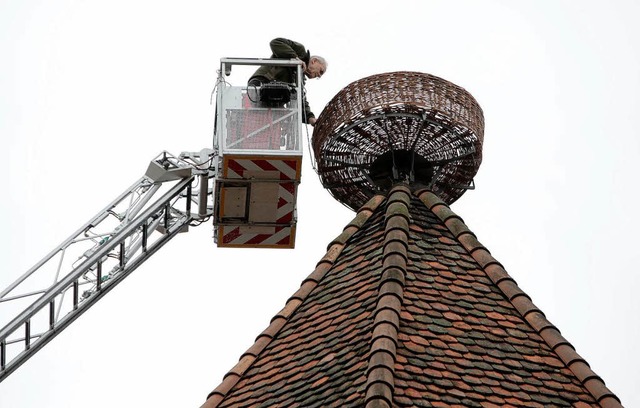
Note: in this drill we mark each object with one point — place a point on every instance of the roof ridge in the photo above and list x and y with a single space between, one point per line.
384 340
334 249
520 300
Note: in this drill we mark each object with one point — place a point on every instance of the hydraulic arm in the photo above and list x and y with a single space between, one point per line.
100 254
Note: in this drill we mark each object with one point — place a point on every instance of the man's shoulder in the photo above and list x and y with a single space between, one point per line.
283 43
286 41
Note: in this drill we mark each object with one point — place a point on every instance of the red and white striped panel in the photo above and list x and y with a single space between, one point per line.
269 231
256 237
271 167
286 203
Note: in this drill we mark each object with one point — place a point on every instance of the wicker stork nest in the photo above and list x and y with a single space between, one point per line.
395 126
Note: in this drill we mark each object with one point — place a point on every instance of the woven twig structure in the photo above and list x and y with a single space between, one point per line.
428 127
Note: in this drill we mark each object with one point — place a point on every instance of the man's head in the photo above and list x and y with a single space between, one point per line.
316 68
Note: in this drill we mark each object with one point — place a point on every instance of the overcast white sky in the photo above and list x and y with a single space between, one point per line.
91 91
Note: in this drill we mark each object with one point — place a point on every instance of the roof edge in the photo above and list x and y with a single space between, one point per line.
308 285
521 301
386 316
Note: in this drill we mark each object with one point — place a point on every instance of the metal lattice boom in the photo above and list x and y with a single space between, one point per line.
398 122
98 256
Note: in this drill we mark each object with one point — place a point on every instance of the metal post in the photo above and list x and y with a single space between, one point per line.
203 196
188 203
75 294
27 334
3 354
167 209
145 235
52 314
122 254
99 275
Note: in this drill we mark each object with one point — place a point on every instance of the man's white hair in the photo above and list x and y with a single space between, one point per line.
321 60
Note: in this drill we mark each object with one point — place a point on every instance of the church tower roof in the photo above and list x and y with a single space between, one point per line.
407 308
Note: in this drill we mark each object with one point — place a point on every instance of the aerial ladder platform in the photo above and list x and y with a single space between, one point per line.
246 183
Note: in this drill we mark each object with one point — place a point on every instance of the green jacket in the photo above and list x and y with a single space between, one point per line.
287 49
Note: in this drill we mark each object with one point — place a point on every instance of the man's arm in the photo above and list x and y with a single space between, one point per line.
310 118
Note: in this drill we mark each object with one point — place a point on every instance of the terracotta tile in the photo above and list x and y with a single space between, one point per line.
610 402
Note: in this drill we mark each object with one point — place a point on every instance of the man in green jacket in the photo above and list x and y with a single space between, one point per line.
313 66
